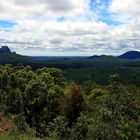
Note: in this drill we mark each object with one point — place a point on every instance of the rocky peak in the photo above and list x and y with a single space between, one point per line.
5 49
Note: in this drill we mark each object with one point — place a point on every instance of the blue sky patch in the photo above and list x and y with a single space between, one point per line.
7 23
106 18
61 19
101 8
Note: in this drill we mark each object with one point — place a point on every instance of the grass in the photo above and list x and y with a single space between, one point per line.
6 137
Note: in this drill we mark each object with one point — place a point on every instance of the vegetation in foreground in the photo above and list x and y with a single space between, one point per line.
44 105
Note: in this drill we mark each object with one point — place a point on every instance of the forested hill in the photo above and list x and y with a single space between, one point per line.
7 56
130 55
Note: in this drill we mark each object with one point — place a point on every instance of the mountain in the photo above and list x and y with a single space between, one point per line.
127 55
7 56
5 49
101 57
130 55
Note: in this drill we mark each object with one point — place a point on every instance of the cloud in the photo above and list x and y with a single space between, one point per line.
37 30
126 10
19 9
87 37
125 6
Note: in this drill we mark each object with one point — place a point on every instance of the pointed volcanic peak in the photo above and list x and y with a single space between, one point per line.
130 55
5 49
7 56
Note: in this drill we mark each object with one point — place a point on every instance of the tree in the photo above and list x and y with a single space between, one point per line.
73 103
80 129
112 116
59 126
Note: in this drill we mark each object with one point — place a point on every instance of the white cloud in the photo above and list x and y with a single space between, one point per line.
125 11
85 38
19 9
125 6
37 31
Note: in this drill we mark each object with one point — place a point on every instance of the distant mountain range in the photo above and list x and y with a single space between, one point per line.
6 55
127 55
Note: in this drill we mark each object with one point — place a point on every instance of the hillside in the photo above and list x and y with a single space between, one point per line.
130 55
7 56
12 57
5 49
101 57
127 55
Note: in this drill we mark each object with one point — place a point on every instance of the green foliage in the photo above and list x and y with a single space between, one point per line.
36 95
128 130
95 95
73 103
59 126
43 104
80 129
112 115
22 127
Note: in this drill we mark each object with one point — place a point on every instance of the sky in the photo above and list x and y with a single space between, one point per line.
70 27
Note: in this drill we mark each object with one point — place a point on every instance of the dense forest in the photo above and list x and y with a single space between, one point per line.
44 104
94 68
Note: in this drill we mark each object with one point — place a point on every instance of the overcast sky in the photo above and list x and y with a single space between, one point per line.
70 27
